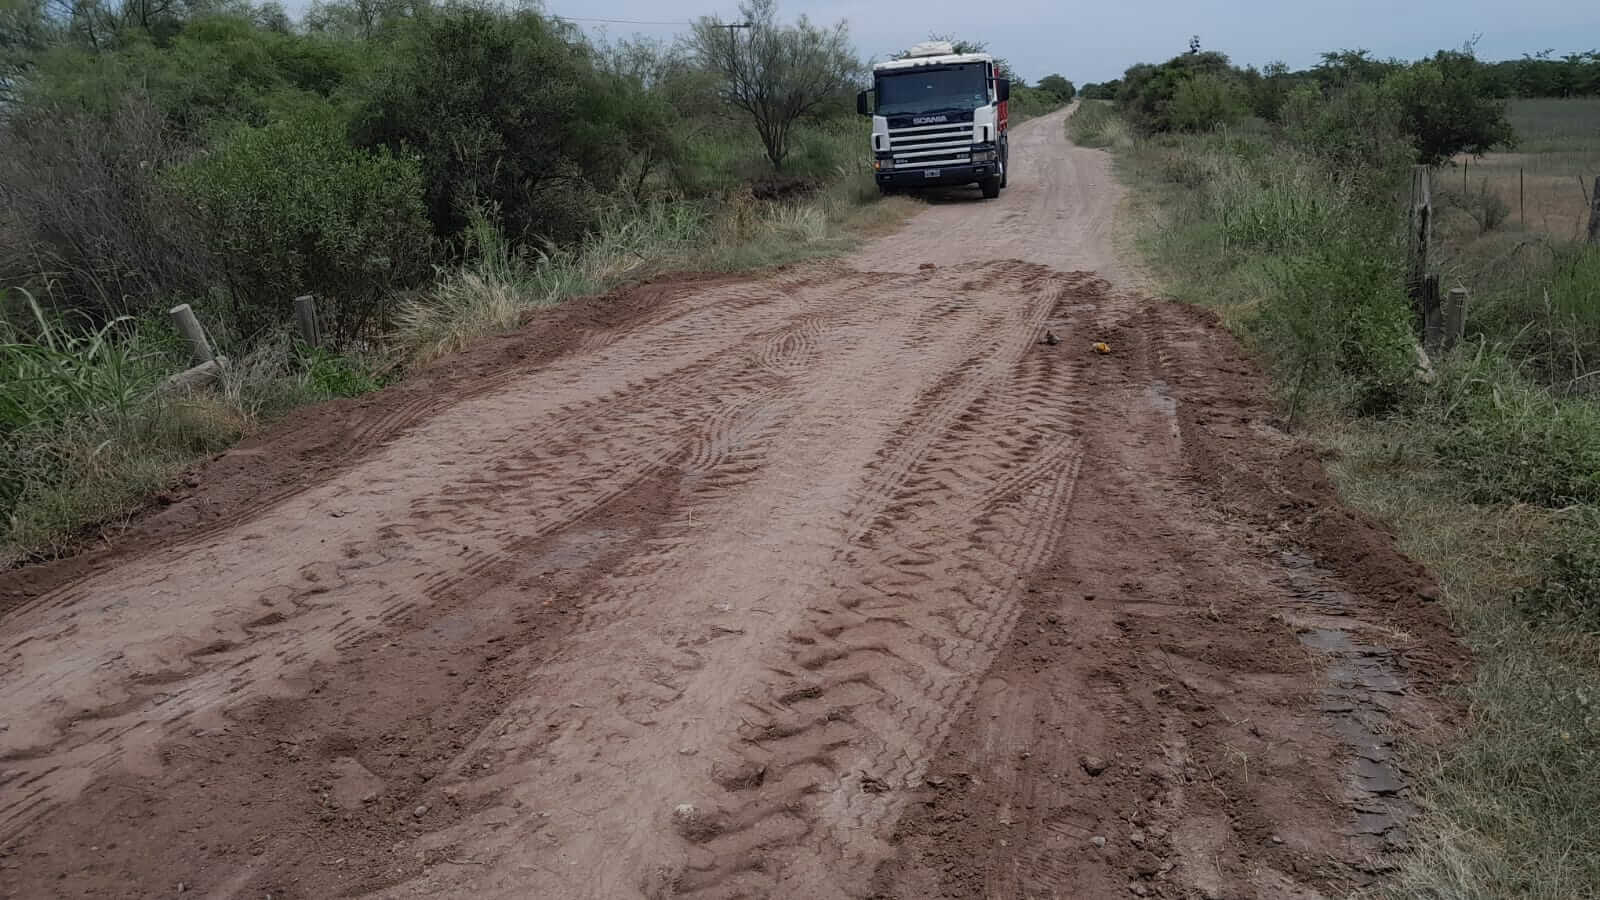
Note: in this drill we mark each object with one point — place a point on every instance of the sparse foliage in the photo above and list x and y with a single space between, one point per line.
776 73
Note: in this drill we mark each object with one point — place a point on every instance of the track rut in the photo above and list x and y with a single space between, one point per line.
825 584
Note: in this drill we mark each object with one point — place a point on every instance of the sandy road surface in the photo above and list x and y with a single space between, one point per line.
836 583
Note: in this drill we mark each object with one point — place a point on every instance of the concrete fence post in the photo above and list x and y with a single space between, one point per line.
1455 317
189 327
305 320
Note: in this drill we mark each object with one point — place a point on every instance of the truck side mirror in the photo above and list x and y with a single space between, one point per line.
1002 89
862 107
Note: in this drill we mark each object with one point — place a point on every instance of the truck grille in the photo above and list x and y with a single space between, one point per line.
931 145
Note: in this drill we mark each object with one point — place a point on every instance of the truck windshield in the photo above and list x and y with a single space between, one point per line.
939 89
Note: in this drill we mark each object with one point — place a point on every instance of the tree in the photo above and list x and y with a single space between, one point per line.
1105 91
1148 94
507 111
1063 89
1447 107
776 74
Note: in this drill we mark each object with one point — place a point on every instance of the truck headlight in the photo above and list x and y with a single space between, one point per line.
883 163
983 156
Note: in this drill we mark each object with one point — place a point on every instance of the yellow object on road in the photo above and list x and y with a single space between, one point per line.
1102 348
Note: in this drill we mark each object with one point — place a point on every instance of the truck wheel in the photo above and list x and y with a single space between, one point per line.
991 187
1005 173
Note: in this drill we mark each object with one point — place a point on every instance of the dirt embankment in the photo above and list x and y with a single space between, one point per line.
834 583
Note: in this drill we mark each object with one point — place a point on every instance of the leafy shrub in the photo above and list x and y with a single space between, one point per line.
1340 310
1447 108
1059 86
1203 102
294 209
1148 94
1355 127
508 110
215 70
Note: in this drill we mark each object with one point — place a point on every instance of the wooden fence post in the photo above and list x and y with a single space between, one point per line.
305 319
189 327
1421 239
1455 317
1594 212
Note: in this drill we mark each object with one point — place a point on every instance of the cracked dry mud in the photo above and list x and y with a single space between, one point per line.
833 582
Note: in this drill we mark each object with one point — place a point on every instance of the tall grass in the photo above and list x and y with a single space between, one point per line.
89 428
1489 472
500 287
1095 124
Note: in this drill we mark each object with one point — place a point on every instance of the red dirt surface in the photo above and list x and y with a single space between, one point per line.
837 582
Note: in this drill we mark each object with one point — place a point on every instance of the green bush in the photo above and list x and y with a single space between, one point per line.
1447 107
216 70
1203 102
1059 86
1338 317
507 110
294 209
1355 127
1148 95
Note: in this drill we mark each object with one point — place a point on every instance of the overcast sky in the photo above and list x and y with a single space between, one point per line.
1095 41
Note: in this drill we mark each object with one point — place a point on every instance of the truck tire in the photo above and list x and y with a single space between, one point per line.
991 187
1005 173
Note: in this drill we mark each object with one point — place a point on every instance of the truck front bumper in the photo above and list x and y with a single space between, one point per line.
964 173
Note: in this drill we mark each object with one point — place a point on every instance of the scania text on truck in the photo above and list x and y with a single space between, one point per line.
938 118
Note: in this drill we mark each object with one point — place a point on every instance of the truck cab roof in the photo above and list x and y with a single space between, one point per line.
917 62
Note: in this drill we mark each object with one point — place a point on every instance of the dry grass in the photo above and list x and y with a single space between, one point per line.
1544 182
500 289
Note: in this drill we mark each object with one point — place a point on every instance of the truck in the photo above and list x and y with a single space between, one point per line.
938 118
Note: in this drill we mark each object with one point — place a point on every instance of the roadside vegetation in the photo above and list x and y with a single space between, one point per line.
431 172
1279 198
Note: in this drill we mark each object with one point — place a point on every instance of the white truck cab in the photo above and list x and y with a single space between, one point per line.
938 118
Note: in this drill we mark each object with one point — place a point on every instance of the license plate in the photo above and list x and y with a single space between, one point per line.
930 173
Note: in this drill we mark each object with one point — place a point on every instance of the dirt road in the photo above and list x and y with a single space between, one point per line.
833 583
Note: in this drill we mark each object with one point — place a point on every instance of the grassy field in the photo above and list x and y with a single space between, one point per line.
1543 182
1489 473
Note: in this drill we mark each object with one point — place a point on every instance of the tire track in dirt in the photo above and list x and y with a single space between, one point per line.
866 685
603 446
830 584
